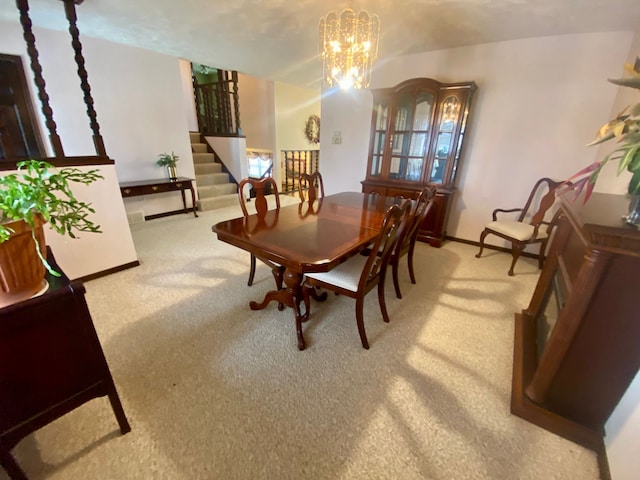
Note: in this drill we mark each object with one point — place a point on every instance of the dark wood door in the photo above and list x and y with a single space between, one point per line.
19 136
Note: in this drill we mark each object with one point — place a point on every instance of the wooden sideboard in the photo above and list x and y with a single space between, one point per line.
51 362
577 344
161 185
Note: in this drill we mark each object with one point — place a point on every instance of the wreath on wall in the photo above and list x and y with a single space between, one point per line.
312 129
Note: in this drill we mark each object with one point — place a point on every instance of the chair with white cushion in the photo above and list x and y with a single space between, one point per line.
359 274
527 228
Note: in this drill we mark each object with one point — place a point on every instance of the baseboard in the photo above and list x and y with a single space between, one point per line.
167 214
104 273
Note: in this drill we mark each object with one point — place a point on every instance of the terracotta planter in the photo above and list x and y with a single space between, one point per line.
21 271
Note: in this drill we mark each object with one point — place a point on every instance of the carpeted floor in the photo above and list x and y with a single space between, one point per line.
214 390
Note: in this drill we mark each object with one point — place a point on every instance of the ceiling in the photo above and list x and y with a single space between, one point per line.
278 39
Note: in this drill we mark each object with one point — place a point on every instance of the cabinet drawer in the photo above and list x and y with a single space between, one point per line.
137 190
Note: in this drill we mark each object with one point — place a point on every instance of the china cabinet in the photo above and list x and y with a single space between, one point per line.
417 132
577 344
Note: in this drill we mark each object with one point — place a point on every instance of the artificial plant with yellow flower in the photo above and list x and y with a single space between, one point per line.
625 128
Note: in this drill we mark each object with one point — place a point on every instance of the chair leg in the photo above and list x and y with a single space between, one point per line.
307 301
482 237
360 322
381 301
278 276
412 274
394 272
516 250
543 247
252 270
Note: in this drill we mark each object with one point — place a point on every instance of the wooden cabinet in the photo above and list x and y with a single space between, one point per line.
417 133
577 345
51 362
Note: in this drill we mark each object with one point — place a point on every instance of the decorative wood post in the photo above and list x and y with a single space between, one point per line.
236 105
30 39
70 11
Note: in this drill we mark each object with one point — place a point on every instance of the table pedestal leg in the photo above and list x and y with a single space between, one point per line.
291 296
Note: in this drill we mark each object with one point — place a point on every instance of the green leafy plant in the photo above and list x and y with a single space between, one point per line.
625 128
167 160
40 189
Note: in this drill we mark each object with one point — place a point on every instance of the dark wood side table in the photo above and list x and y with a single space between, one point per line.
51 362
161 185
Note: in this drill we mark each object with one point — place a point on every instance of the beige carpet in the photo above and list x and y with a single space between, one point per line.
215 391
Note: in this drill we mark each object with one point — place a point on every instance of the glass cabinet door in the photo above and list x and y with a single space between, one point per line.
444 140
381 112
410 138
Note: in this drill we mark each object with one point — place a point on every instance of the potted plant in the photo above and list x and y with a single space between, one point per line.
169 161
33 196
625 128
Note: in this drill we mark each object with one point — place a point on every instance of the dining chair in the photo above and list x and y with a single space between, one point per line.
527 228
359 274
310 187
407 240
261 187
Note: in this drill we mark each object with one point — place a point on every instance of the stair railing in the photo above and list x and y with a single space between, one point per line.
295 162
217 105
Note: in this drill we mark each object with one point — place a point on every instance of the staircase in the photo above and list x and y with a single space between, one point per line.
214 188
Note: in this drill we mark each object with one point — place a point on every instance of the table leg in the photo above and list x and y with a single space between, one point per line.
291 297
184 201
193 199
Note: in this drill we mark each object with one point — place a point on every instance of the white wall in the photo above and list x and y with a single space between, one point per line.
77 258
293 105
140 108
189 101
96 252
233 153
257 112
539 101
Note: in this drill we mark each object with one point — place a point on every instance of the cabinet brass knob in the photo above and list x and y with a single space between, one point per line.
154 188
178 185
127 191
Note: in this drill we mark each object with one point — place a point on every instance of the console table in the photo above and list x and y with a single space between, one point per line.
161 185
51 363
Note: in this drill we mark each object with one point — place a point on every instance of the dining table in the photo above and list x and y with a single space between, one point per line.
307 237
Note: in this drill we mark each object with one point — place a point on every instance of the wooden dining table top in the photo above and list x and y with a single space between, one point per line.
310 238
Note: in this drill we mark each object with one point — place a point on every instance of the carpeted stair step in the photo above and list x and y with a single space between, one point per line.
203 158
199 148
207 168
213 179
208 191
220 201
195 137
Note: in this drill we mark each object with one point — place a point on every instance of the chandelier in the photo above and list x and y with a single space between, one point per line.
349 46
